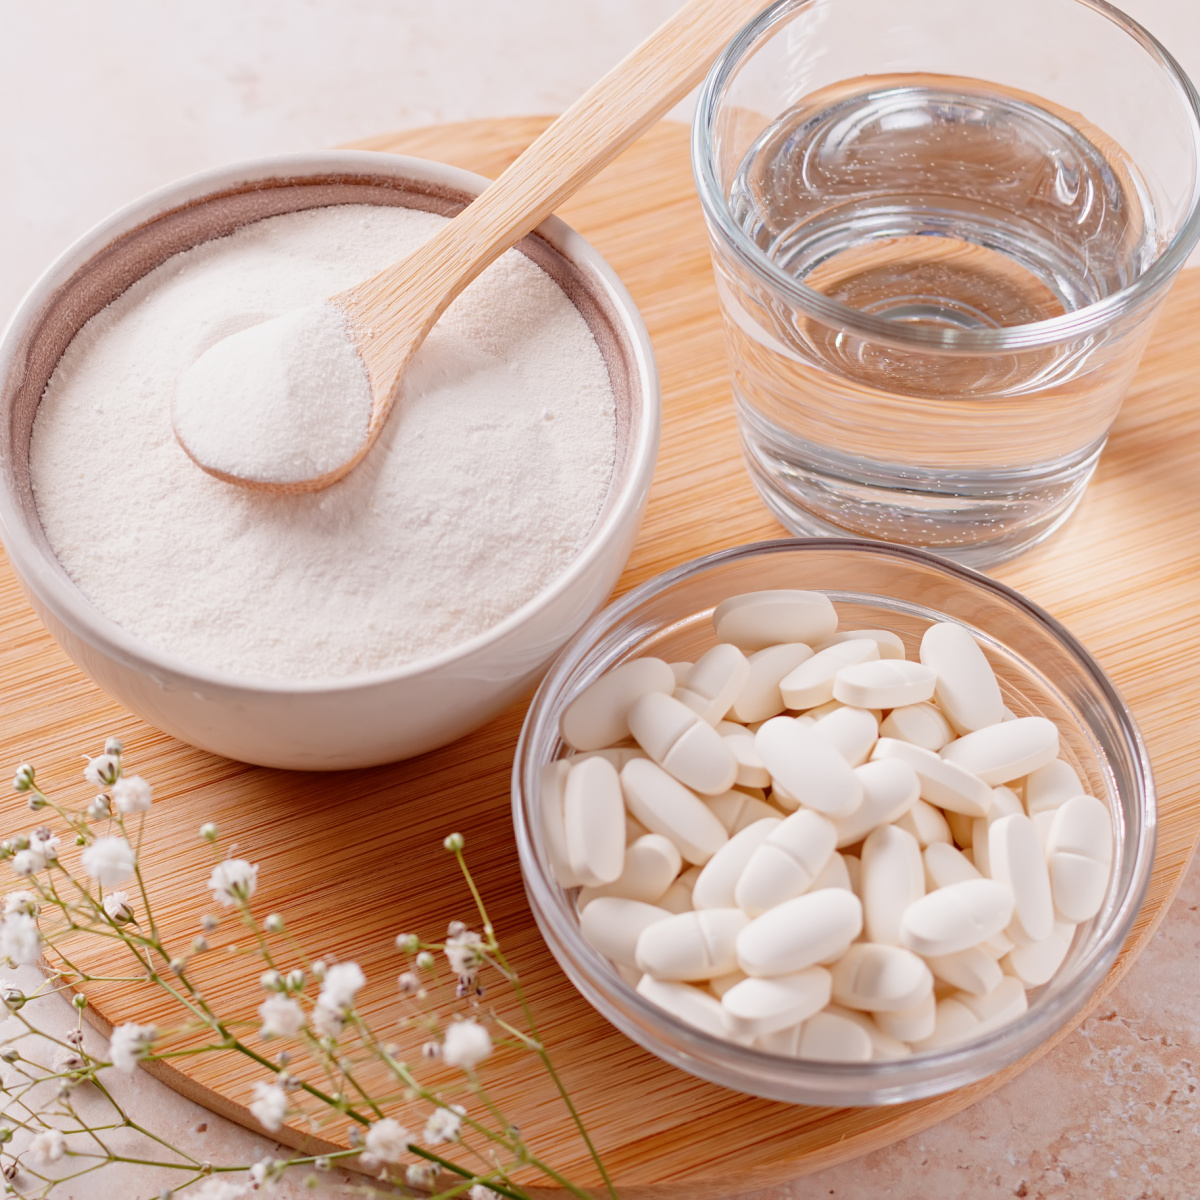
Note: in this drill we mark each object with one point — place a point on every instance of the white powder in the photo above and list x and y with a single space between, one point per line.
282 401
489 475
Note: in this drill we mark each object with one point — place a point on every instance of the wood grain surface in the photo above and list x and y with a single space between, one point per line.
354 858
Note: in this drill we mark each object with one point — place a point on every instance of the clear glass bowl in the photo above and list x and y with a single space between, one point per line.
1042 669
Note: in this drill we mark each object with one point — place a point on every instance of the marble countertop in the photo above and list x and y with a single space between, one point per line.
99 103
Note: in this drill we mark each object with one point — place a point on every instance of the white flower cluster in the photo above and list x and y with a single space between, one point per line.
444 1125
281 1016
466 1044
109 860
269 1105
387 1140
129 1044
339 986
132 794
464 953
42 849
20 940
233 880
47 1147
103 771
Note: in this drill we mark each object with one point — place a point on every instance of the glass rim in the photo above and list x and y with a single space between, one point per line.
1032 335
811 1081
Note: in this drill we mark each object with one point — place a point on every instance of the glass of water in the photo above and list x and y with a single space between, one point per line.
941 233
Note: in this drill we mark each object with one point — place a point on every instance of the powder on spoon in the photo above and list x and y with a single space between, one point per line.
486 481
279 402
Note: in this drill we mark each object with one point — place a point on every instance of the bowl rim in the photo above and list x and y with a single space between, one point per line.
718 1060
62 597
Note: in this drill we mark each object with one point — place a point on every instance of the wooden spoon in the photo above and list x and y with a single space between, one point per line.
389 316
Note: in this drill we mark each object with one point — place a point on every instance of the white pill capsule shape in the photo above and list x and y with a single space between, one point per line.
786 862
883 1046
719 877
617 755
960 828
945 865
852 732
681 671
722 983
683 743
967 691
689 1004
973 970
1015 858
612 926
1036 964
691 945
663 805
755 620
886 683
1051 786
835 873
893 878
1006 751
954 1024
879 978
736 810
751 770
910 1024
651 864
926 824
678 897
760 698
830 1038
890 644
921 724
890 789
597 716
956 917
943 782
550 796
758 1007
800 933
594 819
714 682
807 767
1004 1003
1079 850
811 683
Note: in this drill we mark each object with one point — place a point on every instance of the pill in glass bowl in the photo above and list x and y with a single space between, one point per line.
751 771
943 782
922 724
760 697
594 821
1005 1002
835 873
972 970
893 879
691 946
755 620
800 933
683 743
596 717
954 1024
1051 786
1015 857
852 732
715 888
690 1004
1036 964
811 683
925 823
758 1007
890 644
612 925
663 805
945 864
956 917
828 1037
883 1045
890 789
910 1024
884 683
714 682
651 864
1007 751
807 767
1079 850
878 978
550 794
967 691
736 809
785 862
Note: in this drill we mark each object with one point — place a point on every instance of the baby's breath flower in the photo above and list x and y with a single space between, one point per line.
274 923
466 1044
14 1000
408 984
67 1059
208 831
114 746
480 1192
424 961
387 1140
209 923
444 1125
79 1000
407 943
270 981
200 945
20 901
103 771
109 861
117 908
269 1105
233 880
432 1050
216 1188
280 1016
47 1147
340 985
99 808
422 1175
43 842
464 953
20 941
27 862
23 779
132 794
294 980
129 1044
454 843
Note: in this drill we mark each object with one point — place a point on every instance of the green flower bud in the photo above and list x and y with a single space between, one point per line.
454 843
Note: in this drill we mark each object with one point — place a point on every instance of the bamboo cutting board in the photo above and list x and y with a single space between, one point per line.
354 858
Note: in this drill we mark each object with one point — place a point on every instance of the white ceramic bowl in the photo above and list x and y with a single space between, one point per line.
331 723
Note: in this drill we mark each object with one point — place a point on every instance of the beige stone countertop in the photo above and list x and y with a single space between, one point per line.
101 102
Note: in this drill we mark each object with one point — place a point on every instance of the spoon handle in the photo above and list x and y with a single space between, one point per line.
404 300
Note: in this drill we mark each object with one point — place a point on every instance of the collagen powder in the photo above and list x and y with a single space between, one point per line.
486 481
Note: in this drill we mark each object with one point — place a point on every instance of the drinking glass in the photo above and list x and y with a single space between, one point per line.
941 234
